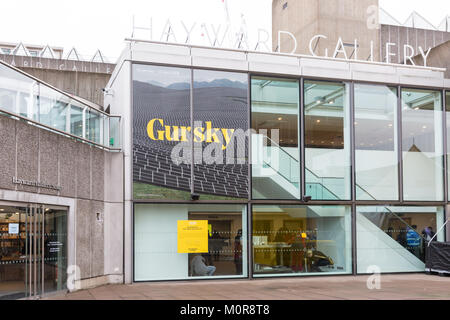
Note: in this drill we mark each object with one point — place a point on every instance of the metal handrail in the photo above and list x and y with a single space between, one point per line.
389 210
440 229
290 156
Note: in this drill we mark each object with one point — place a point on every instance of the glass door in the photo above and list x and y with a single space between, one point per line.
33 250
13 251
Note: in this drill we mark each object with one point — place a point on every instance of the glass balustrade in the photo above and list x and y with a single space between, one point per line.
24 97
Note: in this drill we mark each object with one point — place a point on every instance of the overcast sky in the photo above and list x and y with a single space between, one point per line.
89 25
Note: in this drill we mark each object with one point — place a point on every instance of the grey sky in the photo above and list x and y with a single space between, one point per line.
89 25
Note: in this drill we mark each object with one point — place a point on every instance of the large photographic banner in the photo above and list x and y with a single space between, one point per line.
161 105
163 133
221 108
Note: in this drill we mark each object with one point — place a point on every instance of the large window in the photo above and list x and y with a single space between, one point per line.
327 140
161 121
301 240
423 176
181 241
376 145
394 239
220 141
275 138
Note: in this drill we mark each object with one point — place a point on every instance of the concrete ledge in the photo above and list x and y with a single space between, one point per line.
97 282
220 59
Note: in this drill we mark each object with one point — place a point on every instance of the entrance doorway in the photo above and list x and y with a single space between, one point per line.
33 250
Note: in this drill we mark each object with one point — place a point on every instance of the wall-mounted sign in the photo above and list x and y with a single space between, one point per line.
13 228
158 132
35 184
224 36
57 64
192 236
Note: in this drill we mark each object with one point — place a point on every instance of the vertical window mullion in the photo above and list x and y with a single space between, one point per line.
301 133
352 141
444 139
191 97
400 143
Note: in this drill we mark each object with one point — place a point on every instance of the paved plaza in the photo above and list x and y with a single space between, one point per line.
393 287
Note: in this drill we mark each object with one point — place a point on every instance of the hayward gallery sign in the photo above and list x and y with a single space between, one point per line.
216 38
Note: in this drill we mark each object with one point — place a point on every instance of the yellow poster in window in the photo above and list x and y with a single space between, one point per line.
192 236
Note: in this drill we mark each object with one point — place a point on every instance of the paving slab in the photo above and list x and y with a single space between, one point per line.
393 287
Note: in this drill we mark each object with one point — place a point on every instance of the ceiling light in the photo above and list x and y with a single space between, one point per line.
390 125
424 127
318 121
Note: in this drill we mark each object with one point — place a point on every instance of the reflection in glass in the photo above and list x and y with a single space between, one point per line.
301 240
422 145
376 142
327 140
114 133
161 121
157 239
94 126
23 96
275 138
76 120
13 258
395 238
55 241
53 108
17 92
221 157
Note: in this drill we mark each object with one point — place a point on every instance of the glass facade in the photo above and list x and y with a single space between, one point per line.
327 140
275 138
376 142
422 145
161 121
25 97
394 239
220 112
168 247
301 240
329 143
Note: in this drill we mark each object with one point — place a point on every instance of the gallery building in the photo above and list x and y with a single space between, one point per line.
60 203
296 165
218 163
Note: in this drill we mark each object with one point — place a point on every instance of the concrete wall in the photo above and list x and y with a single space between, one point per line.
35 154
438 57
82 84
333 18
413 37
81 78
120 104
